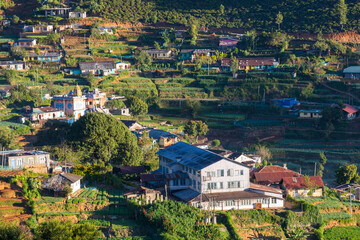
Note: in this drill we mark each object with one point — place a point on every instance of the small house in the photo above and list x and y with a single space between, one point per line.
133 126
272 175
14 65
144 194
163 138
106 30
227 42
20 159
352 72
159 54
58 12
122 66
57 183
303 186
248 64
124 111
44 57
46 113
350 112
310 114
344 190
38 29
26 42
77 14
5 92
97 68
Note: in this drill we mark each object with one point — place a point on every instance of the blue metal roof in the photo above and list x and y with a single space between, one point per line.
156 134
190 156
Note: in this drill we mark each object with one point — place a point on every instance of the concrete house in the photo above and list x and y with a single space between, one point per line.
45 113
144 194
106 30
59 12
38 29
303 186
45 57
159 54
246 64
97 68
20 159
26 42
193 54
122 66
133 126
15 65
163 138
58 182
272 175
77 14
207 180
350 112
352 72
310 114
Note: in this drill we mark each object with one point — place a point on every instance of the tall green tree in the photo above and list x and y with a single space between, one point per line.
342 10
196 128
193 33
136 106
322 162
144 60
279 19
234 65
347 174
8 139
105 139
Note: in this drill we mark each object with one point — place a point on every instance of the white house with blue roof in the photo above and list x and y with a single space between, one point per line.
205 179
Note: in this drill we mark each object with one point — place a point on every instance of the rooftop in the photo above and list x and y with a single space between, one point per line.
352 69
302 182
190 156
264 61
97 65
132 170
156 134
272 174
350 109
45 109
142 190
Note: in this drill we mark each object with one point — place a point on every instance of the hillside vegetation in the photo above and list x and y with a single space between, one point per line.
298 15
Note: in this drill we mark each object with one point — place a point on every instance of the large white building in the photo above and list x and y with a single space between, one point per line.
207 180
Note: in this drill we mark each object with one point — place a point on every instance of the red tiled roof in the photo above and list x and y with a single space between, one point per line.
132 170
350 109
272 174
300 182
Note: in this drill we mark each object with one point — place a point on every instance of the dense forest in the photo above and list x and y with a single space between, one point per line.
298 15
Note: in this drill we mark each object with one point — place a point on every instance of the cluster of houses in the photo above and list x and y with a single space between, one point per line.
220 180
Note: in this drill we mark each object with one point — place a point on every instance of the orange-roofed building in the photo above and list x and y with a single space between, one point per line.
350 112
303 186
272 175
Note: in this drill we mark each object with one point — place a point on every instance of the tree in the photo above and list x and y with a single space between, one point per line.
53 38
103 138
115 104
8 139
15 19
251 39
151 159
157 45
234 65
91 80
215 143
193 33
196 128
347 174
322 46
322 162
136 106
12 231
222 9
144 60
279 19
342 10
263 152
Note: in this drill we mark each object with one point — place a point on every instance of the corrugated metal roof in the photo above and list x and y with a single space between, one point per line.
352 69
157 134
190 156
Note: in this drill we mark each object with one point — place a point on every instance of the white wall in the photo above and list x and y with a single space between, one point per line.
225 165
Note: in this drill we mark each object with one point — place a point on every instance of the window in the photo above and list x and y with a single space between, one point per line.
194 183
265 201
241 172
246 202
230 172
190 182
182 181
220 172
212 185
198 173
221 185
234 184
230 203
273 200
199 186
175 182
194 172
236 172
208 174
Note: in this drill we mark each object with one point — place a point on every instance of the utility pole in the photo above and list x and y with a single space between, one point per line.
350 202
315 170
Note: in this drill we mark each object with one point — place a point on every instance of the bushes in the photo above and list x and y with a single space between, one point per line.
229 225
336 233
97 222
336 216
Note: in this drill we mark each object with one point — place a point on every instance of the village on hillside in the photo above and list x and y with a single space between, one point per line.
155 120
